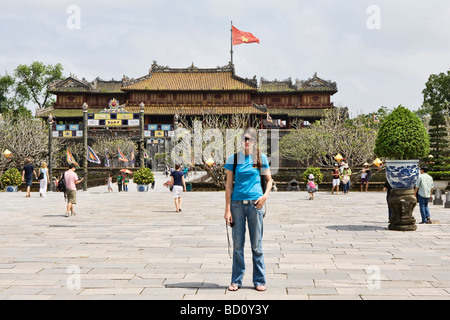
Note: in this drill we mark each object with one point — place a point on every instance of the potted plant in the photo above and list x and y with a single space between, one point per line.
402 140
11 179
143 177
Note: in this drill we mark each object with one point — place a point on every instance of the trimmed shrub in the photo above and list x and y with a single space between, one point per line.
402 136
143 176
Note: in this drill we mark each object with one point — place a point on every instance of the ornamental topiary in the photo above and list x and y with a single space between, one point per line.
402 136
143 176
11 177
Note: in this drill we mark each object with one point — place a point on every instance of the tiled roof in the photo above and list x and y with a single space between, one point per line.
298 112
155 110
316 84
62 113
72 84
190 81
276 86
193 110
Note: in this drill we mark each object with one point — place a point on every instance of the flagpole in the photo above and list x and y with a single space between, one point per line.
231 51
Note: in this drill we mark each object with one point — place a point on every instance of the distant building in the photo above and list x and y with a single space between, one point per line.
169 93
192 91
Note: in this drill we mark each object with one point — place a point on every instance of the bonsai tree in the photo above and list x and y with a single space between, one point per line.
402 136
143 176
11 177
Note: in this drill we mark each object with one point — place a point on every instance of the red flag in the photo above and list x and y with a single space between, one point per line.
242 37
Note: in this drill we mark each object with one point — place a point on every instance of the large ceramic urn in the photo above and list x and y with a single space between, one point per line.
402 176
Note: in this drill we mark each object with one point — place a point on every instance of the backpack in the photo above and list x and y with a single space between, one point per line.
311 184
62 184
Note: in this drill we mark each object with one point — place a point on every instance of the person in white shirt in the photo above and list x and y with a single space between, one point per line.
424 190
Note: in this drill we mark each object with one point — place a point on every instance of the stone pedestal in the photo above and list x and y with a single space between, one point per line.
438 198
402 203
447 200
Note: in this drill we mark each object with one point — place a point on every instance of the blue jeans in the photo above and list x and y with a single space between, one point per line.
423 206
240 213
346 187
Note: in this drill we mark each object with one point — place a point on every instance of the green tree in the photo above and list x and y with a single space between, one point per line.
436 93
301 145
32 81
12 100
439 144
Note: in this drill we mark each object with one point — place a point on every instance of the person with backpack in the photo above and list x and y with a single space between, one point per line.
311 187
69 180
244 205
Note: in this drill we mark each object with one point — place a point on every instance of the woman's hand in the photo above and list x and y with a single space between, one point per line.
228 217
260 202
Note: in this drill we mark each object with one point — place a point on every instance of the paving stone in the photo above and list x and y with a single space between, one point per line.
134 246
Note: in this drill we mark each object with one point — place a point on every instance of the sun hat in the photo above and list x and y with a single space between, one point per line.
311 176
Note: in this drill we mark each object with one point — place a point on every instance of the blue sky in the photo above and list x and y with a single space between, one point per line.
385 66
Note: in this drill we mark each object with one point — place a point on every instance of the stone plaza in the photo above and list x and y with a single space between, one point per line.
135 246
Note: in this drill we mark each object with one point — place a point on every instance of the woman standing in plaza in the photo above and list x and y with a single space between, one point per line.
365 177
109 183
244 203
346 176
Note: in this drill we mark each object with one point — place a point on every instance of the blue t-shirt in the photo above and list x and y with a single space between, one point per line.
177 178
247 179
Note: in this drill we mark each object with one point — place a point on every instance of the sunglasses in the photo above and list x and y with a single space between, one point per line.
246 139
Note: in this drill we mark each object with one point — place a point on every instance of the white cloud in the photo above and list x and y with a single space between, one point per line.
371 67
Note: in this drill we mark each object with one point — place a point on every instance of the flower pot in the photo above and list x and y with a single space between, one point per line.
142 187
440 184
11 188
402 174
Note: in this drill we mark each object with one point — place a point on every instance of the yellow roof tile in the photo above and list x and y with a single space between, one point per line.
190 81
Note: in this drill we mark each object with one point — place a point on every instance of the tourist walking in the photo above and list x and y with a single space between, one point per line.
27 175
244 203
43 179
311 187
71 180
126 181
365 177
166 171
336 175
178 186
424 190
109 183
120 182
